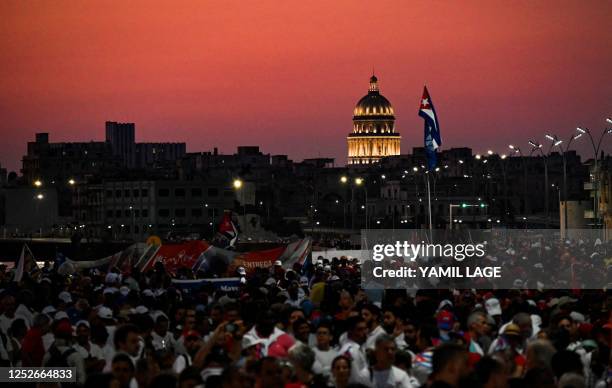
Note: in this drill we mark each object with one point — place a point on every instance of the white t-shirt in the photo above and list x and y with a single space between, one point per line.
371 340
357 356
94 351
388 378
323 361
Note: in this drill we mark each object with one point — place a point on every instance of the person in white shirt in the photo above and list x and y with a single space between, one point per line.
193 342
371 315
352 348
383 374
91 353
324 353
161 337
265 331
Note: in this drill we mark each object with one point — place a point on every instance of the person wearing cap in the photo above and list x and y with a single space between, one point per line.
445 321
32 346
62 354
192 343
91 353
161 338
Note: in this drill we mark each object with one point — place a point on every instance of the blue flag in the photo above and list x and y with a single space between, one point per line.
432 130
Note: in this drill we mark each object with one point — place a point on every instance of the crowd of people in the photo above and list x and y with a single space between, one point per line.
307 326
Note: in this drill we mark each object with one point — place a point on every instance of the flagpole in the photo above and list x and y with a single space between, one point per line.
429 202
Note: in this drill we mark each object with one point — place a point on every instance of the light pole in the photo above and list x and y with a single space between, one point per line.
212 223
238 183
356 182
558 143
596 157
537 147
517 150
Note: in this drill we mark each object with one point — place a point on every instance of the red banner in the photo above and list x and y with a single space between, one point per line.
175 256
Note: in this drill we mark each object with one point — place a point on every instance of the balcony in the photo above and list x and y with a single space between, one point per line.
589 186
589 214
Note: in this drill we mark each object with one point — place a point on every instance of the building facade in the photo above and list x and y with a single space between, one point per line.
373 135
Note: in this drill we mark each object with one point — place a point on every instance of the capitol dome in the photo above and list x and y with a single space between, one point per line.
373 104
373 136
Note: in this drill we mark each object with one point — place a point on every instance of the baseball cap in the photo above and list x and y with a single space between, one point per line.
60 315
105 313
82 322
241 271
65 297
493 307
248 341
278 263
512 329
445 320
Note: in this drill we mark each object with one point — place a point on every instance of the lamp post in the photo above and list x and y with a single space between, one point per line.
596 158
558 143
537 147
356 182
212 223
517 150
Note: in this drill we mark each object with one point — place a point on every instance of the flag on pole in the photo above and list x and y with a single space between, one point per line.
18 275
432 129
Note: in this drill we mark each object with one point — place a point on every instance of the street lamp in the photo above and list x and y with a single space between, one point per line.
71 182
557 143
596 159
237 184
40 196
38 183
537 147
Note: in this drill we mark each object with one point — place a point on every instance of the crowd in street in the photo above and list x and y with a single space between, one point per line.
311 325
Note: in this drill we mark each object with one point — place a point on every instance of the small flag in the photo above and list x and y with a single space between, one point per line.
432 129
228 233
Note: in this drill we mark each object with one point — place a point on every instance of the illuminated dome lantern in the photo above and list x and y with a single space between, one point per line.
373 135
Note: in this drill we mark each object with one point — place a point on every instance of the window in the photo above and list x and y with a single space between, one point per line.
117 193
136 193
196 212
117 213
163 212
163 192
179 212
128 212
213 192
145 213
127 193
109 193
179 192
228 193
196 192
144 193
109 214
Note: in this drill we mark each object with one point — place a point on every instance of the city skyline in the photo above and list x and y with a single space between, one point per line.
264 74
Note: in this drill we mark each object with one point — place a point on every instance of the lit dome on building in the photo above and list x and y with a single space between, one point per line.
373 135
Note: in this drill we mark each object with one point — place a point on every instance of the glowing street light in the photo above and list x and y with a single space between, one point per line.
343 179
237 184
38 183
358 181
71 182
40 196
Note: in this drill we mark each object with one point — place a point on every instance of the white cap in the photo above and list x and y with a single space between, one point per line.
49 310
278 262
112 277
241 271
148 293
141 310
105 313
60 315
83 322
124 290
109 290
65 297
577 317
270 282
493 307
248 341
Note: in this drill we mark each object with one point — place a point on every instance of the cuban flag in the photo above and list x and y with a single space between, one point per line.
432 129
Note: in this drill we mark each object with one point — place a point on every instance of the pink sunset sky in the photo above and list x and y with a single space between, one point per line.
286 75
